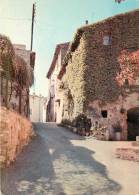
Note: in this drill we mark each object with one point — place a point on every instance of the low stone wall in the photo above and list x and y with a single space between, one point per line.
15 132
128 153
76 130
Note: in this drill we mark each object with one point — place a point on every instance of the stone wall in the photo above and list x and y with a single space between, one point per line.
131 153
115 114
15 132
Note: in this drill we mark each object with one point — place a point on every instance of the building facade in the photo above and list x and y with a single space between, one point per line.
37 108
54 103
100 75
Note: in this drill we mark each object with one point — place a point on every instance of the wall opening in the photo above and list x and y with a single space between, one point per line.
133 123
104 113
107 40
126 82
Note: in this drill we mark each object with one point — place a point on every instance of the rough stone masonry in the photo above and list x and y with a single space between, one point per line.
96 61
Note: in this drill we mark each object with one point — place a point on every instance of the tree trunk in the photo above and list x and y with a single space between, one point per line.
20 101
6 96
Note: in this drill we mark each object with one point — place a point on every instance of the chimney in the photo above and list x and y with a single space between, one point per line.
86 22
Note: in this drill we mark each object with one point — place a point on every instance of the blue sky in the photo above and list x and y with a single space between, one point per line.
55 22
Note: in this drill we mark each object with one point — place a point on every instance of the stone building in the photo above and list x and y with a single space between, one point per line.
54 101
20 80
37 108
100 75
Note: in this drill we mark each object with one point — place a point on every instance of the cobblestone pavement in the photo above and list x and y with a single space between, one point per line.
58 162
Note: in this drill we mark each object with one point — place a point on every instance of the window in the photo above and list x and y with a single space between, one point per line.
106 40
104 113
30 111
126 82
96 123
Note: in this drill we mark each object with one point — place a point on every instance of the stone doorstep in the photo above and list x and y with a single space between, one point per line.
131 153
137 139
135 144
1 193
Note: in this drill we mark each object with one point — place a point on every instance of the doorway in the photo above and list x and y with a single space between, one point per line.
133 123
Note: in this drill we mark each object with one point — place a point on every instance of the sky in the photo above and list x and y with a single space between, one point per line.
56 22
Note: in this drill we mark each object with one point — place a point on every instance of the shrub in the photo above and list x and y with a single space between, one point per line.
66 122
82 122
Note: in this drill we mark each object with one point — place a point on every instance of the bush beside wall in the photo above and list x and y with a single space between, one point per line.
15 132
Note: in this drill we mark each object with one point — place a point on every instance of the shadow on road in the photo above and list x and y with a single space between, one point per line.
32 173
52 165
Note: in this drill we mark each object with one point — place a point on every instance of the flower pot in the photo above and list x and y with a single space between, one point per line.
117 136
107 135
87 133
75 130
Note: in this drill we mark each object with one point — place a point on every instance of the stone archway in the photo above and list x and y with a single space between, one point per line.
133 123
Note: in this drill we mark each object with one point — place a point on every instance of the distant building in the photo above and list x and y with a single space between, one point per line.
37 108
15 86
53 102
22 102
27 55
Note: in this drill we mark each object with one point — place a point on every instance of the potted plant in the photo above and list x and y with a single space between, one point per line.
117 130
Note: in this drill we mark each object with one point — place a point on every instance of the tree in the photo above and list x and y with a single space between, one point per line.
6 61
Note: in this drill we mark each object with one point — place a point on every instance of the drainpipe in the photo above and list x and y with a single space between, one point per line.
86 22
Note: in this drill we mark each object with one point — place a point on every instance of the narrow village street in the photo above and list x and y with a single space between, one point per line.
58 162
69 97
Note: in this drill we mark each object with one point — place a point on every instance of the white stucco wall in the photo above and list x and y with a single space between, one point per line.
37 108
52 88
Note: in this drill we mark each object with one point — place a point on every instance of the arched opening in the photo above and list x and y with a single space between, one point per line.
133 123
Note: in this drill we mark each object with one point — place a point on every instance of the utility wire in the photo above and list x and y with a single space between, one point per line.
8 18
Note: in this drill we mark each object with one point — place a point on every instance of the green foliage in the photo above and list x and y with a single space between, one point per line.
14 67
82 122
23 74
66 122
6 56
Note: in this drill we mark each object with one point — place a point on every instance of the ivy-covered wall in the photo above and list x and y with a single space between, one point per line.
102 61
74 83
92 63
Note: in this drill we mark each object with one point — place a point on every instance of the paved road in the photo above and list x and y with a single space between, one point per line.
58 162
